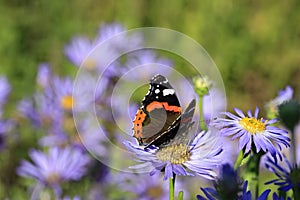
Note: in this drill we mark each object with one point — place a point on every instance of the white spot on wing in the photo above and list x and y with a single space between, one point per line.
168 92
157 91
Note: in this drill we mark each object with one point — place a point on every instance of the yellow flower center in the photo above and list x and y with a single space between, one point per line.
155 192
252 125
89 64
176 154
53 178
66 102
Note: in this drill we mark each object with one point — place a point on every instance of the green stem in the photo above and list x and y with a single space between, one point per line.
293 154
201 117
252 173
239 159
180 195
296 192
171 187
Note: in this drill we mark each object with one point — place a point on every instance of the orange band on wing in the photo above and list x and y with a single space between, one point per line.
138 122
156 105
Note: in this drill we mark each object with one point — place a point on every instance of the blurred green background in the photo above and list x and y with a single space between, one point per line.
255 44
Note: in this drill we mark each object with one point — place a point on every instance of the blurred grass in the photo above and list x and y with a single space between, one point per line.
255 44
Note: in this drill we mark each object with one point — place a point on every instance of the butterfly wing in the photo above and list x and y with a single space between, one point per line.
160 108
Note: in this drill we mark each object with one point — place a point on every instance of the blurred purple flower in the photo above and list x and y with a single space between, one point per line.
283 96
56 137
58 166
127 42
107 31
44 75
5 127
252 131
62 92
81 48
149 63
78 50
42 110
213 107
200 156
142 186
5 89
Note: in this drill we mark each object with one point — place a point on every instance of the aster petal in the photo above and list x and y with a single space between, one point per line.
244 140
208 192
232 116
264 195
256 112
179 170
204 172
272 121
239 112
239 134
168 171
248 147
249 113
258 140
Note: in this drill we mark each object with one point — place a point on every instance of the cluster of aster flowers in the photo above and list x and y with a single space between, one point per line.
57 161
60 158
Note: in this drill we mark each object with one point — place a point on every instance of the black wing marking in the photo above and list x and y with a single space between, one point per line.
157 84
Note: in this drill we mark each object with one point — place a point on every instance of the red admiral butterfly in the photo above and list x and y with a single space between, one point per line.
159 119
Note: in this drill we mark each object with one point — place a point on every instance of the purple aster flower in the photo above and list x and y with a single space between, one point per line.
283 96
149 63
107 31
27 110
199 156
43 75
212 194
58 166
229 183
69 98
78 50
41 110
62 89
253 131
287 177
4 91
